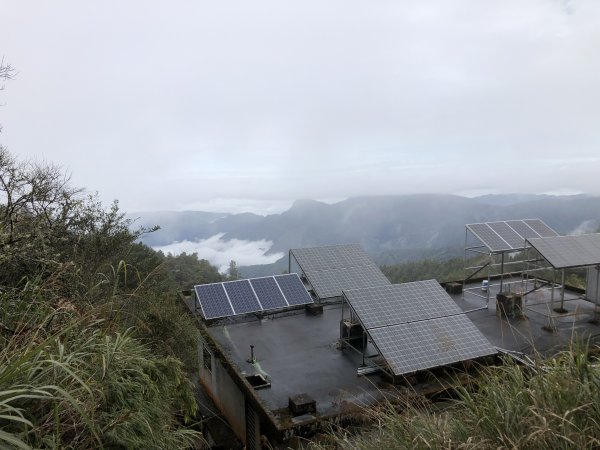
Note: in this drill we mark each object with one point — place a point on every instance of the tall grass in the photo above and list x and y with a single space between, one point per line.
68 380
555 405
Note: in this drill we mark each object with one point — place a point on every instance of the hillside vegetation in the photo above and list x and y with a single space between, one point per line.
553 405
89 356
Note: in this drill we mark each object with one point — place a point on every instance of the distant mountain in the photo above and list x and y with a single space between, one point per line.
515 199
390 228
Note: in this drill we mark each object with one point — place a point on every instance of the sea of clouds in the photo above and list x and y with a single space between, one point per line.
220 252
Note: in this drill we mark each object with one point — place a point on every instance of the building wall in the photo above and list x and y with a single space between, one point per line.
591 285
223 390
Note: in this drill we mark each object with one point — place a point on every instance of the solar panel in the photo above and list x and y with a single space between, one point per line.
330 257
213 301
334 268
489 237
569 251
401 303
522 228
268 293
508 234
541 228
330 283
293 289
426 344
502 236
242 297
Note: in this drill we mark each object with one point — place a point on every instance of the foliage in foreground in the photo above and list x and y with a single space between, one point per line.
88 353
554 406
70 379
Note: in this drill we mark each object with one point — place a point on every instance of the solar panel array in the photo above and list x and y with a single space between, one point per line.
335 268
401 303
569 251
331 283
426 344
331 257
510 235
417 326
246 296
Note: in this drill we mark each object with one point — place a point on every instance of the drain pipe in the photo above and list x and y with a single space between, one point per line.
252 359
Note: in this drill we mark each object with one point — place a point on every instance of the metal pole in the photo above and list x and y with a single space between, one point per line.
501 272
562 291
465 263
552 292
364 344
487 301
289 261
597 286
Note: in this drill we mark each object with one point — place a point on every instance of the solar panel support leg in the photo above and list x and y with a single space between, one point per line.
595 319
562 290
501 271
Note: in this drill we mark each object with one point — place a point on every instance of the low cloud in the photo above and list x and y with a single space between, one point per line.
585 227
220 252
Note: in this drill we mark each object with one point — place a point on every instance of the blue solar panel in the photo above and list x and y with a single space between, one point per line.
268 293
213 301
293 289
242 297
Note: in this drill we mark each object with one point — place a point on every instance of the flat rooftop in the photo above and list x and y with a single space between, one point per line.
527 335
298 352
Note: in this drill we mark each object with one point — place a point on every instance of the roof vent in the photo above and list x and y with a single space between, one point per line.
314 309
258 381
302 404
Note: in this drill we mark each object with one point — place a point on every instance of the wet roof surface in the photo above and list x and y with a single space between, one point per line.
298 352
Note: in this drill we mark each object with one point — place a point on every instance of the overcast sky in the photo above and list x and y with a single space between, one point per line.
227 105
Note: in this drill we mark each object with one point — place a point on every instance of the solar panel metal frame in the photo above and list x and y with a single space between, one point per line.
564 252
509 235
395 304
441 341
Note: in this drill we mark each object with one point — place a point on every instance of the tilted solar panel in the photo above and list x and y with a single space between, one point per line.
331 257
242 296
268 292
401 303
293 289
540 228
230 298
522 228
330 283
563 252
504 230
489 237
415 346
510 235
213 301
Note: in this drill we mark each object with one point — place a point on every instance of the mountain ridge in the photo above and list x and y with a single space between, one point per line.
416 224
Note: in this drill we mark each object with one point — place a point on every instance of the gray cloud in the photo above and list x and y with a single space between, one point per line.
169 105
